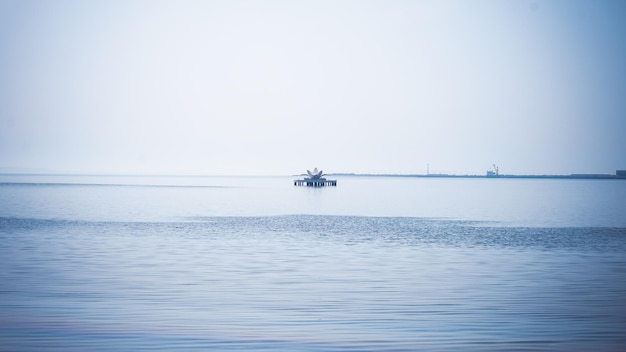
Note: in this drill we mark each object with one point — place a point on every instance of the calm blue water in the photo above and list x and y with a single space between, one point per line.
207 263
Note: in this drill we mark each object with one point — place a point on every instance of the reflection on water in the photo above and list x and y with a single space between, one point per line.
309 283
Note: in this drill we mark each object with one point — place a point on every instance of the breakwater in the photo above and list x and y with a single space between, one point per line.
572 176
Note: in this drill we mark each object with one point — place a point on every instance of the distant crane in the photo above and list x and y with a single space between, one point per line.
494 172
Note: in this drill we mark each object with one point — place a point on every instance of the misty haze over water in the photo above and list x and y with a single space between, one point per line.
265 88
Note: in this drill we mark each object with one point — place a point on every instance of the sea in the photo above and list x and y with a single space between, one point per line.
196 263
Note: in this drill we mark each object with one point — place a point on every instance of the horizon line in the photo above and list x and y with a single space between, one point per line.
618 174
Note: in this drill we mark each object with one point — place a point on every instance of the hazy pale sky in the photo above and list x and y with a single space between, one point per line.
278 87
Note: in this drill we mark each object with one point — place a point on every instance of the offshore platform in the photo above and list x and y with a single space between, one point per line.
315 179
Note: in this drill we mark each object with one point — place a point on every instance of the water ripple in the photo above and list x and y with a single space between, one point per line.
309 283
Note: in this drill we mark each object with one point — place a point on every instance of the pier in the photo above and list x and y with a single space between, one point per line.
322 182
315 179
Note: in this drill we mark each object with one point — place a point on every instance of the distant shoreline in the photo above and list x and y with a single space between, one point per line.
572 176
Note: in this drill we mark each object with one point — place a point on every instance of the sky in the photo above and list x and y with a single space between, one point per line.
236 87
